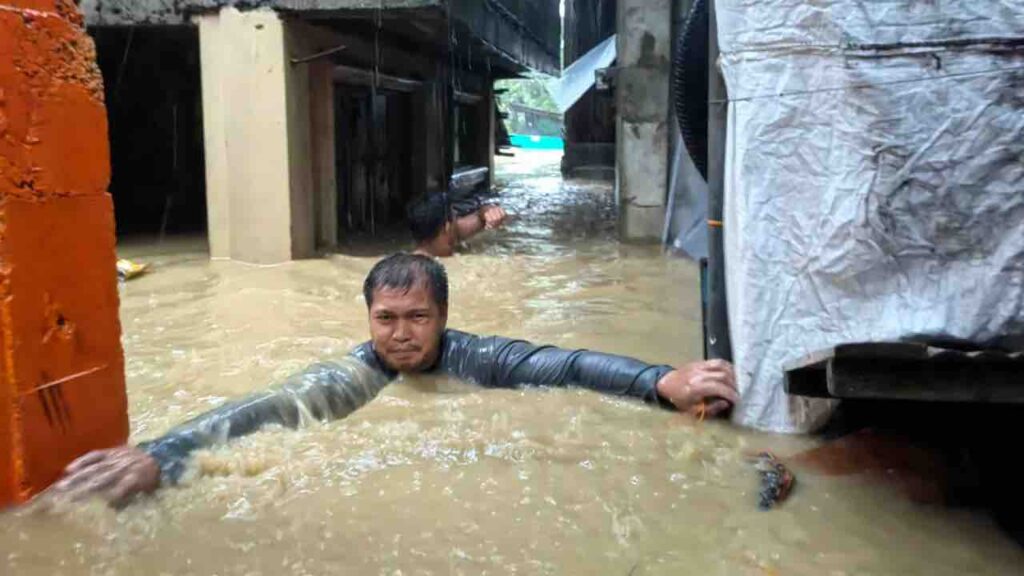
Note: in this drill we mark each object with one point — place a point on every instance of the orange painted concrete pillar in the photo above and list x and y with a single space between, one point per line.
61 366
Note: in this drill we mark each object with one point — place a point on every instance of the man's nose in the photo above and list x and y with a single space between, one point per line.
402 332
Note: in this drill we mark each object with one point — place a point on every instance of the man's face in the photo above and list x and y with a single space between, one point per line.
406 327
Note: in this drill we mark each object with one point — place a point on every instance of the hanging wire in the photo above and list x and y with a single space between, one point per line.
317 55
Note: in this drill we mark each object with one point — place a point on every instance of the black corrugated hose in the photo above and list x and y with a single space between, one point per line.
690 84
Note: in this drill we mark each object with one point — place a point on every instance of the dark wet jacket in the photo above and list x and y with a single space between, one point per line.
332 390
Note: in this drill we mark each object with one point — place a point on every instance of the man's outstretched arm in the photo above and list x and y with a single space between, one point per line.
705 388
325 391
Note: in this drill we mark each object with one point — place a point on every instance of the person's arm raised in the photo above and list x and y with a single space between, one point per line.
486 218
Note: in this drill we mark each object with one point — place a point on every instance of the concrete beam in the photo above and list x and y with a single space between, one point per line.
163 12
521 38
309 5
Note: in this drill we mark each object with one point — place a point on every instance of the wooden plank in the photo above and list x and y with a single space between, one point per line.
467 98
908 372
363 77
928 381
902 350
325 183
807 376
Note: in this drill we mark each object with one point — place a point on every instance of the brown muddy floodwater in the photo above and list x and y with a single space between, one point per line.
437 477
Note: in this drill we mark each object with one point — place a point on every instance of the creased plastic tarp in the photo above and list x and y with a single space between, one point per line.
868 213
579 76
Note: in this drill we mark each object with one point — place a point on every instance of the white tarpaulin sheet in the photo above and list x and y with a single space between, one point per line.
579 76
874 181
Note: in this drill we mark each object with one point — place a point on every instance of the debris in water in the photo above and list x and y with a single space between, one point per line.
776 480
126 269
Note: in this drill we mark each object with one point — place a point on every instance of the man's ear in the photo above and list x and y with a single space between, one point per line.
444 314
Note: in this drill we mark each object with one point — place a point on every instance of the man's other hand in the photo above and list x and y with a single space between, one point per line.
704 389
115 475
494 216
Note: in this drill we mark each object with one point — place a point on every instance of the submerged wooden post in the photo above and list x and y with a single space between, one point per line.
61 366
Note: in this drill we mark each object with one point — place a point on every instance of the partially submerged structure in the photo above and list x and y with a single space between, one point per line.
873 193
282 126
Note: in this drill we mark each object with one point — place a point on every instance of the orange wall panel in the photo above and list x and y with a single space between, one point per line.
61 365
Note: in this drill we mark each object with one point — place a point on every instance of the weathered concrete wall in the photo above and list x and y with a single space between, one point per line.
256 132
642 93
61 365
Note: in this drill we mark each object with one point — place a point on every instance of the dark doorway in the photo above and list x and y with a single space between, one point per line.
374 158
154 105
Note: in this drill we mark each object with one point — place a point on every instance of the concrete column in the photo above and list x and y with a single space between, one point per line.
212 54
256 129
642 95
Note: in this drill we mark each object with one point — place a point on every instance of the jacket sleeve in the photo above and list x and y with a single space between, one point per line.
498 362
324 391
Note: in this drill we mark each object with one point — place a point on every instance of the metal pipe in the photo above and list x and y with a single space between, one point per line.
317 55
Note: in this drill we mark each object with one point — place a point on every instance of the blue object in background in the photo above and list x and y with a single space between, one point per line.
529 141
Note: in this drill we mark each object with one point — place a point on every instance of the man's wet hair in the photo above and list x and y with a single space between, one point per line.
403 271
428 215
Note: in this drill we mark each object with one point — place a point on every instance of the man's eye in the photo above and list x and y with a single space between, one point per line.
384 318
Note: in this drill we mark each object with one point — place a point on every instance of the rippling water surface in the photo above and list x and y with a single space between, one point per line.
438 477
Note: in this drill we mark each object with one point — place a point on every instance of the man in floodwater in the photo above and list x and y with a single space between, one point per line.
407 299
438 225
